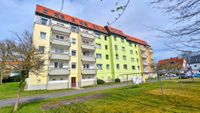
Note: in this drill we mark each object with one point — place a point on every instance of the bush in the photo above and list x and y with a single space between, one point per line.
99 81
117 80
12 79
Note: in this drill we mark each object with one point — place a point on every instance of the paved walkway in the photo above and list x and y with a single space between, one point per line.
9 102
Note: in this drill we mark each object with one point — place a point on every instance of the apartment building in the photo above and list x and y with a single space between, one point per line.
77 53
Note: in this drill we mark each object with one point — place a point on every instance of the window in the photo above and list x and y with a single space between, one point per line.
118 66
98 56
138 67
137 60
115 38
135 45
42 35
136 52
124 57
132 59
133 67
41 49
116 47
106 47
59 50
86 66
73 41
125 66
73 52
107 57
98 35
122 40
98 46
59 37
123 49
107 66
74 29
44 21
130 44
73 65
58 65
117 56
131 51
105 37
195 65
99 66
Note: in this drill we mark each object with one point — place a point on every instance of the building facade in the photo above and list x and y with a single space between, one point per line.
77 53
194 63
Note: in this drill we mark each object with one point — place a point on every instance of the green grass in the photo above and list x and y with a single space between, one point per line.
181 97
9 90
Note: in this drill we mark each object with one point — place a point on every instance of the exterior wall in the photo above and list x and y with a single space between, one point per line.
104 74
40 81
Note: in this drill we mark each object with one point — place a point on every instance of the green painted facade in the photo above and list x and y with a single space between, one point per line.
128 57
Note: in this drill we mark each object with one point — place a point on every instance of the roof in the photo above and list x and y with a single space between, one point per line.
67 18
130 38
176 60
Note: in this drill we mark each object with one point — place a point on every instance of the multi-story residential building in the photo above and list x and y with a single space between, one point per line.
77 53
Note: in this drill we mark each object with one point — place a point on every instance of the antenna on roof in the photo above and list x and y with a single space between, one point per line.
63 1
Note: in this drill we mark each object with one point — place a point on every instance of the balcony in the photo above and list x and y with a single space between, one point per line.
58 56
143 49
88 71
59 71
60 42
88 46
89 58
61 29
145 63
150 50
144 56
87 35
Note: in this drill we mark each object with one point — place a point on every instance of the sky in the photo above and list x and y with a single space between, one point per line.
139 20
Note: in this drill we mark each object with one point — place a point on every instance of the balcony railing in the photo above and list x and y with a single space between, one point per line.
88 46
144 56
143 49
59 71
88 71
60 42
58 56
145 63
61 29
88 58
87 35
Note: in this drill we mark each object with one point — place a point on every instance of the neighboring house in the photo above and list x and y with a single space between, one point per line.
78 52
172 65
194 63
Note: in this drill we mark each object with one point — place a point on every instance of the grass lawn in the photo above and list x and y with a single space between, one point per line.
9 90
182 97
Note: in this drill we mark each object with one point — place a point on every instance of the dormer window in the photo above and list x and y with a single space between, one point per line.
56 15
45 11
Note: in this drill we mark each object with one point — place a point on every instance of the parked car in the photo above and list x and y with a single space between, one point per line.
184 76
196 75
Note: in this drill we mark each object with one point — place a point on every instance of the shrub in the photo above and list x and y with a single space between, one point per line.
99 81
117 80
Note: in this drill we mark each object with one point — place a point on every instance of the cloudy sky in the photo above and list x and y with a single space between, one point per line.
138 20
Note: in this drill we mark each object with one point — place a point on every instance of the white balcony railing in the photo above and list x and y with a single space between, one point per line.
87 35
58 56
62 29
59 71
89 58
60 42
88 46
89 71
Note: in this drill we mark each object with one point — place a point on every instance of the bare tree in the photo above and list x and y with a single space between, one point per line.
3 57
28 57
185 32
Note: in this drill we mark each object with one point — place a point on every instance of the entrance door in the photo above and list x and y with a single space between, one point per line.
73 81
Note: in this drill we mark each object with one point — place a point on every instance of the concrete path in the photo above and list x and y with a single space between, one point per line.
9 102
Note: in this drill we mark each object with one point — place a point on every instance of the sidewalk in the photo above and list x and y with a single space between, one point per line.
10 102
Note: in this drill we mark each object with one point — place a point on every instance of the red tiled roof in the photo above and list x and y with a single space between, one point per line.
130 38
115 31
86 24
68 18
176 60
